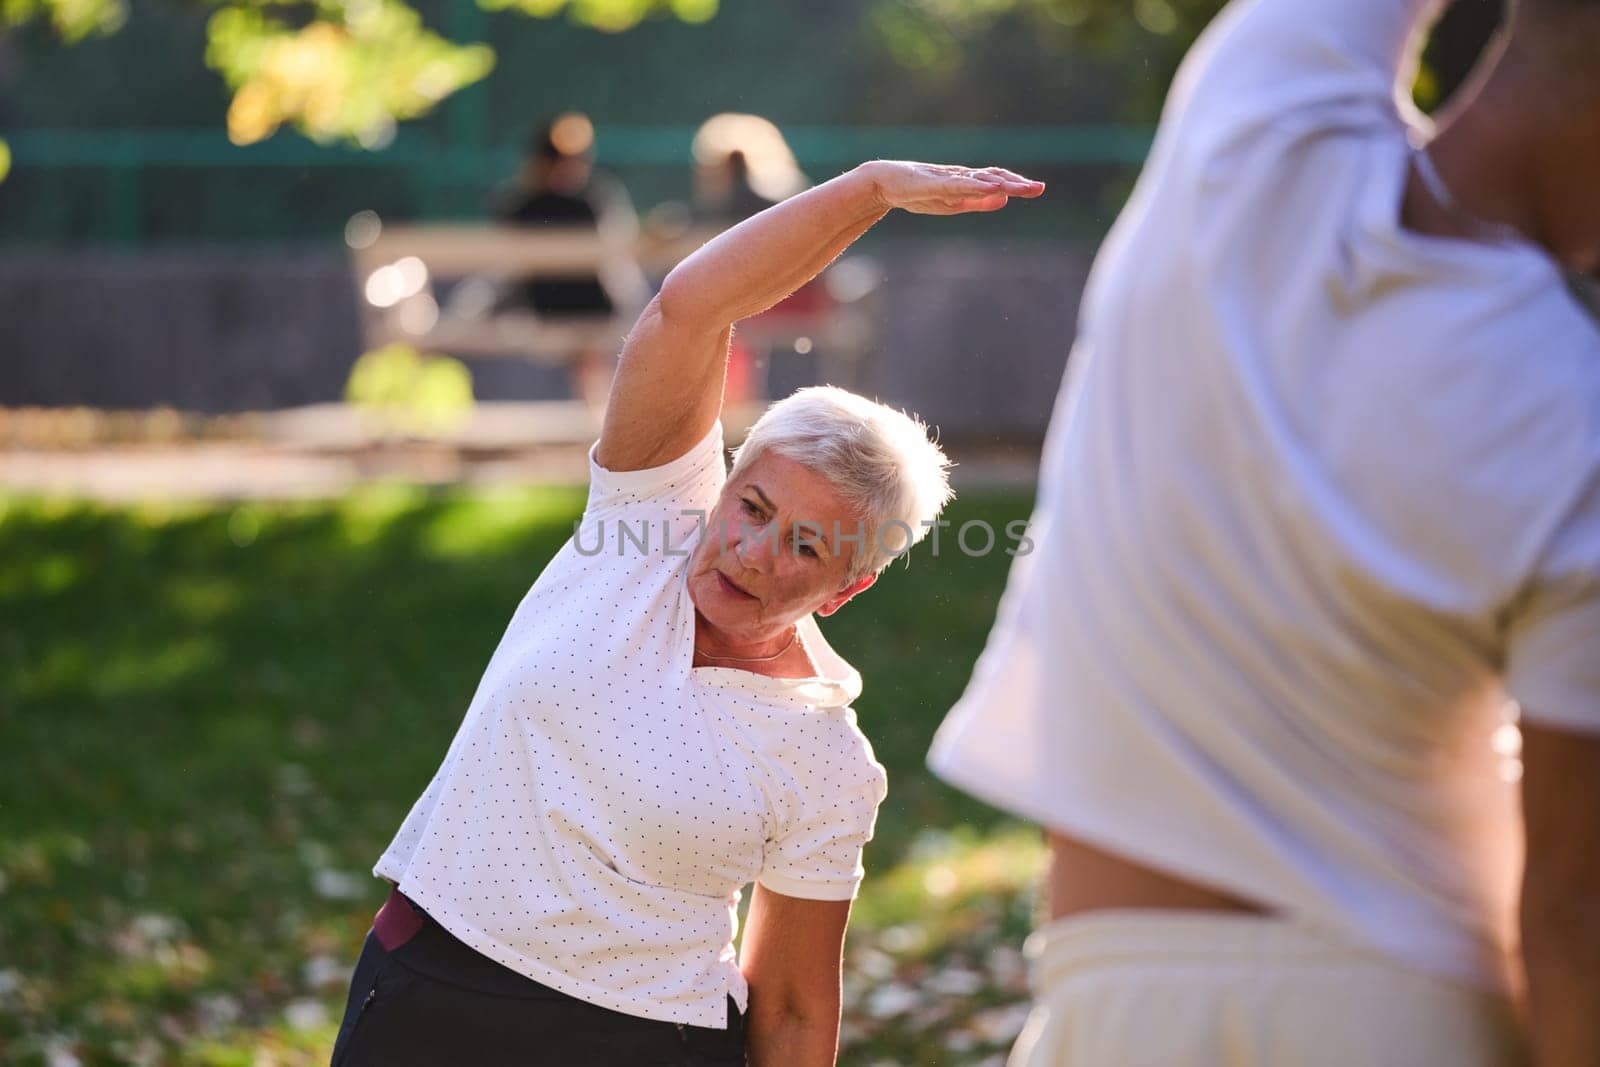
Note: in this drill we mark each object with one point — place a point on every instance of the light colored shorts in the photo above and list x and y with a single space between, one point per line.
1201 989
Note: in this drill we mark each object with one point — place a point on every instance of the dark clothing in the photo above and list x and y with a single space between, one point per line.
432 1002
538 209
555 296
739 204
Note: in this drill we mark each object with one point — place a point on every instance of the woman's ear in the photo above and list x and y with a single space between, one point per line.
846 594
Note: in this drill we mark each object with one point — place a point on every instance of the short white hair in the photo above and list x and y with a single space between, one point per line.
882 462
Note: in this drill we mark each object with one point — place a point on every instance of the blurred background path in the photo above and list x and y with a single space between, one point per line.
327 450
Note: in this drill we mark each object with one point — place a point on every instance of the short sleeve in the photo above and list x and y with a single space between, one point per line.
690 482
818 856
1553 660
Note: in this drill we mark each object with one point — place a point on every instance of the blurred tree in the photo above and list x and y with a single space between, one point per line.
352 72
1455 46
71 20
612 16
407 392
934 40
337 70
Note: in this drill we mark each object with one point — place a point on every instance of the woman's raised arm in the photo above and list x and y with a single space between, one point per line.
669 381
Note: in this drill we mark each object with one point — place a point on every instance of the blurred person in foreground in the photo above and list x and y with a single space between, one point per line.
663 722
556 186
1322 491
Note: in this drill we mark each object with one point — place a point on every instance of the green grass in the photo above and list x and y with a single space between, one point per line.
212 718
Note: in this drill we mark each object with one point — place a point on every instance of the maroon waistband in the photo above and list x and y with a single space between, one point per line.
397 921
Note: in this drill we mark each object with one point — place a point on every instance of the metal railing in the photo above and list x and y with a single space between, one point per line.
449 178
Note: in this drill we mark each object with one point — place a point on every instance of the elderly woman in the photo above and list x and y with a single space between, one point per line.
662 722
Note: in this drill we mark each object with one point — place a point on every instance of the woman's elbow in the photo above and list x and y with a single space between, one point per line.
675 304
796 1010
796 1036
685 304
668 315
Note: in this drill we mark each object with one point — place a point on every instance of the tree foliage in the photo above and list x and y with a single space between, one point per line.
611 16
410 392
337 70
929 34
932 39
350 73
71 20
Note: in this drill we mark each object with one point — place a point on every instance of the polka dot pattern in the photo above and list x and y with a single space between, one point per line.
604 802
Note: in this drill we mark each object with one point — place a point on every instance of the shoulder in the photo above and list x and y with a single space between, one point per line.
840 758
831 784
690 481
817 752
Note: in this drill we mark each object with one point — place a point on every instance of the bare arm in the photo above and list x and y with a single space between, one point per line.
668 388
1561 895
792 957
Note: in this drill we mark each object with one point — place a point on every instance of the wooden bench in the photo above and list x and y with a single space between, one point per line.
401 271
443 288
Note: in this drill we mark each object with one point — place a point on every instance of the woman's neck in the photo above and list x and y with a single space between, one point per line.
781 655
1495 152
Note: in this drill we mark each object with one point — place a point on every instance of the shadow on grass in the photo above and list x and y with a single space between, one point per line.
213 718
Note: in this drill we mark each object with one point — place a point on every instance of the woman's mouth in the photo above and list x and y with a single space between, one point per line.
729 586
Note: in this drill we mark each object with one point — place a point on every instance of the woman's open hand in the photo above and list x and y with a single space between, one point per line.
945 189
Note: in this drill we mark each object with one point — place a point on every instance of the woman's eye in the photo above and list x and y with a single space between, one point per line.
750 509
807 550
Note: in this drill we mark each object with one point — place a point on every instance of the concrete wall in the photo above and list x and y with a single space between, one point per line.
972 337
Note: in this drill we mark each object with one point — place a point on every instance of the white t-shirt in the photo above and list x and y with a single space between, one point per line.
1318 494
604 802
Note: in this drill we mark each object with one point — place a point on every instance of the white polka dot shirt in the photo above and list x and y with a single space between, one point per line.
604 801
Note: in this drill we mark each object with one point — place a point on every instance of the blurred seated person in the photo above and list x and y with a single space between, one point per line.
742 165
556 186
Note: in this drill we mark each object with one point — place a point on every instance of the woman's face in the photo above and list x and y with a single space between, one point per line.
772 553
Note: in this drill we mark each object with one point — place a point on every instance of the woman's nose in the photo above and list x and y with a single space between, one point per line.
756 549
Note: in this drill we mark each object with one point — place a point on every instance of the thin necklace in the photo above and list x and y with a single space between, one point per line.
1481 228
793 637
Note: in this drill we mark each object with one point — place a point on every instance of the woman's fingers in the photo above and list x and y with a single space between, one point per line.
962 205
1003 173
975 186
986 203
1013 181
1017 186
945 188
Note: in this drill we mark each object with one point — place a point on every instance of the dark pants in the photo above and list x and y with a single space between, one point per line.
434 1002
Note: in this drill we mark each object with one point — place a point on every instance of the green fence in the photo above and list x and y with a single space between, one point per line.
159 187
